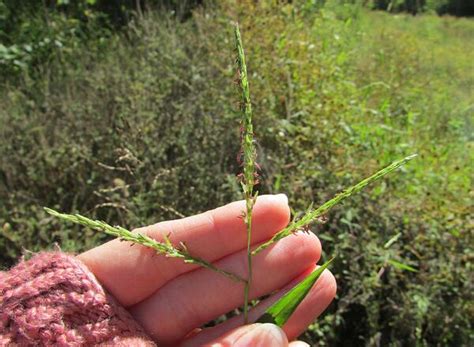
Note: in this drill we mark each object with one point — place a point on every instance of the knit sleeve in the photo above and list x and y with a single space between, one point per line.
53 299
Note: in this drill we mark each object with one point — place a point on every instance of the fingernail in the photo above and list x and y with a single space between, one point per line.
282 198
298 344
263 335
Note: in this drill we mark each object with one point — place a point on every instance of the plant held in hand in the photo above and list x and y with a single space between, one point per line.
280 311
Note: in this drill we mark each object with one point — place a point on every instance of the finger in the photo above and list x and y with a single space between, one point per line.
197 297
319 297
210 235
298 344
254 335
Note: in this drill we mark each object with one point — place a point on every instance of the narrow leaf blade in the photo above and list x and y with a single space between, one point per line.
401 266
280 311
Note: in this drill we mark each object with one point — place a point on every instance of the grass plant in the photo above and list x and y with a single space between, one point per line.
280 311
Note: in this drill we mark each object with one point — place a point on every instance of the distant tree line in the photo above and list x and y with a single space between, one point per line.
442 7
119 12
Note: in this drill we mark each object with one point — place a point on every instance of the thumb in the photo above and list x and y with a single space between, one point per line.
254 335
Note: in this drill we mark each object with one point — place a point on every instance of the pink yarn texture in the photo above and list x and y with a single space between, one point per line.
53 299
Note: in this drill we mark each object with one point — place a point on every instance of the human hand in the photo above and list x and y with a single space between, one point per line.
171 299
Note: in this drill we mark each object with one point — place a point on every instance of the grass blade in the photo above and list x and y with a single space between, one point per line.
401 266
280 311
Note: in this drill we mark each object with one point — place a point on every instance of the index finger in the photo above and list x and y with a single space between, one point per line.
132 274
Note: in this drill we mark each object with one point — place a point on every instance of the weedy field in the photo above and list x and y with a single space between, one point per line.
140 124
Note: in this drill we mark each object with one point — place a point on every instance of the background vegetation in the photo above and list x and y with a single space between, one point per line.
127 112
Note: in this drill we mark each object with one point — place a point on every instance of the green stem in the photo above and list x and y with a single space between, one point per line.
248 283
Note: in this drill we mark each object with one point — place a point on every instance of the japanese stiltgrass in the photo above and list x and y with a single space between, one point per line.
280 311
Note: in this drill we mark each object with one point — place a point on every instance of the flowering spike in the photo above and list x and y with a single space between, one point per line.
166 248
314 214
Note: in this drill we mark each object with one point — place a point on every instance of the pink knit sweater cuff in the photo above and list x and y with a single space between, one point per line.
53 299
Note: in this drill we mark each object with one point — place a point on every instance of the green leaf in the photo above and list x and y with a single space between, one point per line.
401 266
280 311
